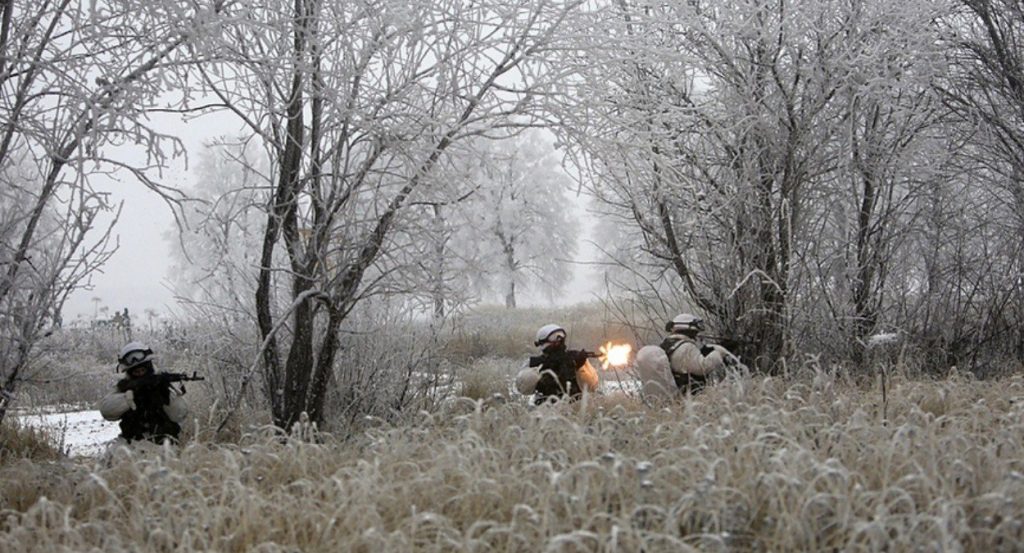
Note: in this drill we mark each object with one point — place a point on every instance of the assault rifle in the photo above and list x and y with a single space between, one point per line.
736 346
180 377
726 342
537 360
155 381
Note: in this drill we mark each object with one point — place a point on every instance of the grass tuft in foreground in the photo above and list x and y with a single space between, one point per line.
757 464
18 441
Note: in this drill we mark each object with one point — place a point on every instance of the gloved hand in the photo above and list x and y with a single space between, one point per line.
147 382
582 355
129 396
728 359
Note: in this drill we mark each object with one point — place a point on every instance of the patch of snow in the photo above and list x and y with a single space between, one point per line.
885 339
625 384
84 432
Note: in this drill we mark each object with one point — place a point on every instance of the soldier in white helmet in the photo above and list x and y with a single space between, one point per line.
558 372
683 361
144 402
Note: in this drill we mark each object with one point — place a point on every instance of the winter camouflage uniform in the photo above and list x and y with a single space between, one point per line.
147 406
682 362
146 410
558 368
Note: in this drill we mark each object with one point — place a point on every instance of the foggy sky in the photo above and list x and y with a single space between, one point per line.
136 275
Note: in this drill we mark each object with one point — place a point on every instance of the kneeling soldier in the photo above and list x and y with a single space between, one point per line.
683 361
146 405
557 372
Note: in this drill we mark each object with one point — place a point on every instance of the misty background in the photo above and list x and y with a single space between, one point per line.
803 176
384 200
136 276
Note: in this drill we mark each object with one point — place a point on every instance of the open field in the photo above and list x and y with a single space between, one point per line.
807 464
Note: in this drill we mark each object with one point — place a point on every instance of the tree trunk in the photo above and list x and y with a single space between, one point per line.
865 316
8 390
509 248
440 244
510 295
287 393
324 366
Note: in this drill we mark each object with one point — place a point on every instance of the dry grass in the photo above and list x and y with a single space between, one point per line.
487 377
24 442
753 465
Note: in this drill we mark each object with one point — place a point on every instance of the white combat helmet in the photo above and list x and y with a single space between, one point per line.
134 354
686 322
549 333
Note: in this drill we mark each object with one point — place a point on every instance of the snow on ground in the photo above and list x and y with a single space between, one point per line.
625 384
84 431
879 340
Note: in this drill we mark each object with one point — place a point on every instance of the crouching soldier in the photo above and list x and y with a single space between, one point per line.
683 362
557 372
146 405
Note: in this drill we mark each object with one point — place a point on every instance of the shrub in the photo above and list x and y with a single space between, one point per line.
18 441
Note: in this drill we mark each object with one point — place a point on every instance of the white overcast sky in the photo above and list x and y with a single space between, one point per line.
136 275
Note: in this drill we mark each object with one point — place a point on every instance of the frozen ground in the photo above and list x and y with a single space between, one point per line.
622 383
84 431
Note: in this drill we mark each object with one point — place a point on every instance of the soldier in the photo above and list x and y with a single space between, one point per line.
146 405
683 361
557 372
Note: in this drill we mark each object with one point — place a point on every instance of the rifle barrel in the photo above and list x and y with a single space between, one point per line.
724 339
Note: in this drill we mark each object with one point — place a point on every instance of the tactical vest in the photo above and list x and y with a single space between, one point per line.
149 421
558 373
686 382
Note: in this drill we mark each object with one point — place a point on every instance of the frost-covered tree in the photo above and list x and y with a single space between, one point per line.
216 261
529 218
987 84
518 229
974 250
357 103
723 131
76 80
